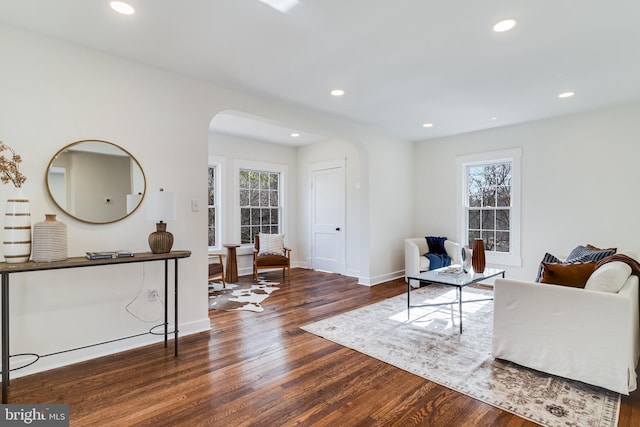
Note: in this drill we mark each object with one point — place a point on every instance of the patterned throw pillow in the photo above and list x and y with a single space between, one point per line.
589 253
271 244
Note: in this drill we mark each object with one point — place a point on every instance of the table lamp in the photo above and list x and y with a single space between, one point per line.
161 205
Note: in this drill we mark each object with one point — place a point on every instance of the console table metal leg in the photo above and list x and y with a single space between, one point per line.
175 310
5 337
166 295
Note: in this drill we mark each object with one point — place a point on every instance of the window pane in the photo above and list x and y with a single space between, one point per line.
255 198
244 198
275 217
489 239
244 179
245 216
502 241
264 198
212 236
503 196
489 197
273 198
502 219
255 216
488 219
245 235
265 218
474 219
254 179
473 234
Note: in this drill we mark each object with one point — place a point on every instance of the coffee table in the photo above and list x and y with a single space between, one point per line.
457 281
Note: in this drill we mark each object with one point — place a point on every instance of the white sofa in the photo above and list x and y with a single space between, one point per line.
582 334
414 260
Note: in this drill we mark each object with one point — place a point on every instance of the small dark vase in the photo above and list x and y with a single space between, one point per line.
477 256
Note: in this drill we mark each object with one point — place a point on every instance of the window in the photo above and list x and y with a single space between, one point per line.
212 203
260 203
489 205
489 190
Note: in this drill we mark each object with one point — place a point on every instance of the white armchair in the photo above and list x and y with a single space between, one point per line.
414 260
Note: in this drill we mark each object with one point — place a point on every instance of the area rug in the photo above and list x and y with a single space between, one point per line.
427 342
236 297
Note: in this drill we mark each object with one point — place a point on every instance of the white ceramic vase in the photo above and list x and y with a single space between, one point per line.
17 228
49 240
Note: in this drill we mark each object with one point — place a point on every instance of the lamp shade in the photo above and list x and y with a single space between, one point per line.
161 206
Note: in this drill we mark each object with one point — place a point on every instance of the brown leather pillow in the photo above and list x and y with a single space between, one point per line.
574 275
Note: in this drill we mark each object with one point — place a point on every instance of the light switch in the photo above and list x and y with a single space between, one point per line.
195 206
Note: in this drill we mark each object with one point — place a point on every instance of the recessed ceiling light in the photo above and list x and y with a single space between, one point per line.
295 135
337 92
566 94
427 125
504 25
122 7
494 118
280 5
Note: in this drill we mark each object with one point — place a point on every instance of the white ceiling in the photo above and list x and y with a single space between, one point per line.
401 63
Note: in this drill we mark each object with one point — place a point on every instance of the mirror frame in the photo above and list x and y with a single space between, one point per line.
74 216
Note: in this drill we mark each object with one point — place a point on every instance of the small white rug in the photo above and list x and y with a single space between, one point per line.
246 297
428 343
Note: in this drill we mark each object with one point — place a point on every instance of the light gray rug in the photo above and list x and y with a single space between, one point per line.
428 344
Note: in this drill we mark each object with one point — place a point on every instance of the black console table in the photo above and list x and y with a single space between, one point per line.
6 269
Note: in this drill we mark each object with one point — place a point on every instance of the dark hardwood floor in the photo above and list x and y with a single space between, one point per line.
261 369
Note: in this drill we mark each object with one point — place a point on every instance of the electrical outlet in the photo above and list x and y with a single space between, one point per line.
154 294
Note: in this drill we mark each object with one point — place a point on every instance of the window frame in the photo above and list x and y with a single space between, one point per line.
282 193
513 156
219 164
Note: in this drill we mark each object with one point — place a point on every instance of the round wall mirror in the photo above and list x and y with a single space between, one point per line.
96 181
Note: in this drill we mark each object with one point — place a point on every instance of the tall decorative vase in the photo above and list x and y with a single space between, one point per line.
49 240
477 256
17 228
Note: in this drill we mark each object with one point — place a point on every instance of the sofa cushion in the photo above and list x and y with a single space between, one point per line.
609 277
584 252
574 275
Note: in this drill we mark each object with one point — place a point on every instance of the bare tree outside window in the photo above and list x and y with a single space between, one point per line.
489 205
259 203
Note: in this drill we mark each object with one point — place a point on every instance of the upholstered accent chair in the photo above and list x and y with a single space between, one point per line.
272 254
216 269
415 262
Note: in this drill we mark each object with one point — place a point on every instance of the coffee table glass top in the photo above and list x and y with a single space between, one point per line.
464 279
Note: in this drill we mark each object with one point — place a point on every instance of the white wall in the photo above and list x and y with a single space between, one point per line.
53 93
579 173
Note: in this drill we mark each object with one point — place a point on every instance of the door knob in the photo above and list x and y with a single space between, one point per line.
337 228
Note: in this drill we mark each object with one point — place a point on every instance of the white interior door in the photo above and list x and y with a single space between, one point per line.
328 217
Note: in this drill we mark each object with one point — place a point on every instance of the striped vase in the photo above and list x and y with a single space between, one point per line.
17 228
